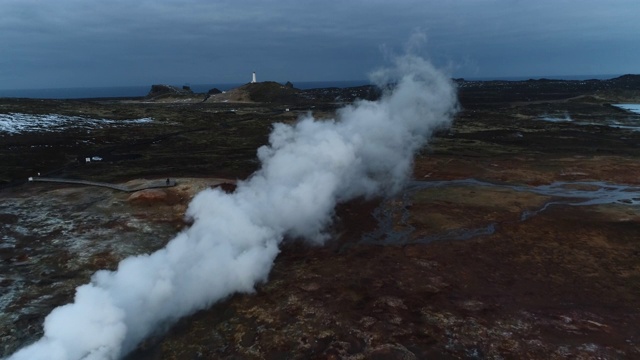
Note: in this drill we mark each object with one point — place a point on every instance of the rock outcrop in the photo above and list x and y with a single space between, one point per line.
163 90
270 91
148 196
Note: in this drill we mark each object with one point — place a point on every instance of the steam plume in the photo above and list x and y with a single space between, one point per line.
306 170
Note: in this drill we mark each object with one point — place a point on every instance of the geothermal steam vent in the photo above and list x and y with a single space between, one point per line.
306 169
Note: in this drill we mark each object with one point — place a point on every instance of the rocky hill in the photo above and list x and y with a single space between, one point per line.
620 89
168 90
273 92
623 88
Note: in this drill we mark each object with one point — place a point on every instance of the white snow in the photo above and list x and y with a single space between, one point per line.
17 123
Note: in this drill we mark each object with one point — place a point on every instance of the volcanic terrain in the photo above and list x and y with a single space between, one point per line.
516 238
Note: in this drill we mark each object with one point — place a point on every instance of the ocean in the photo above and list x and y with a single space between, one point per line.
143 90
139 91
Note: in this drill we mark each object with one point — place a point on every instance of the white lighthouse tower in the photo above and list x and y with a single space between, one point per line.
253 79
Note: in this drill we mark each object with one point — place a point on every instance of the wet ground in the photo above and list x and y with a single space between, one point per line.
517 238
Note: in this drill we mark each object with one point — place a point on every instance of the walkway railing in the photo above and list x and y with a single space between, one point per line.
152 184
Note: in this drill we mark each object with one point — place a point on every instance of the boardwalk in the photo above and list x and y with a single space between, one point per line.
151 184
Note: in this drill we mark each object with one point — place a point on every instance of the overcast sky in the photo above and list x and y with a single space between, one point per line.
77 43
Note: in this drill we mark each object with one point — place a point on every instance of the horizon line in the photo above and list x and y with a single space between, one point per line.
473 78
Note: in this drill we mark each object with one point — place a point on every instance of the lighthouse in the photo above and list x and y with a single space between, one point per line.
253 78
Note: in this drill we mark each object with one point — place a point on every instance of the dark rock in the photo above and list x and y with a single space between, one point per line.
226 187
628 78
355 345
8 218
365 92
160 90
270 91
214 91
391 352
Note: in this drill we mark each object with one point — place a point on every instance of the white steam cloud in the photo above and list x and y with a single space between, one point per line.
306 170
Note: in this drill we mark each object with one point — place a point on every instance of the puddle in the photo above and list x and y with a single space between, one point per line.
396 210
627 123
565 118
634 108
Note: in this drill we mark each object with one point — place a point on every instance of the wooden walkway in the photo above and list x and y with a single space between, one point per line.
151 184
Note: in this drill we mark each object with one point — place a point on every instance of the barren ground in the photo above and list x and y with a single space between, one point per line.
517 239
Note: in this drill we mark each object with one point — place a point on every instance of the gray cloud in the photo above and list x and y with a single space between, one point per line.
104 43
